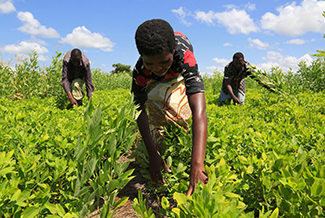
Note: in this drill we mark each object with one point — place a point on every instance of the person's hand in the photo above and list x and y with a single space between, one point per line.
236 100
197 174
73 101
155 163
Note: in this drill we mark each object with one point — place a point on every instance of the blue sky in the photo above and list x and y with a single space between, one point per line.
269 33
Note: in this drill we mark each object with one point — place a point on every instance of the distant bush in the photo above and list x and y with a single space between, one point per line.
120 68
104 81
313 76
28 79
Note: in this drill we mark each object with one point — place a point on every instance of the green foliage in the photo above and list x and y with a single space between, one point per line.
26 78
52 77
121 68
104 81
263 159
5 74
320 53
64 162
313 76
139 206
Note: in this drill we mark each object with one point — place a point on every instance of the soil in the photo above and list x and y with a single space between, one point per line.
131 191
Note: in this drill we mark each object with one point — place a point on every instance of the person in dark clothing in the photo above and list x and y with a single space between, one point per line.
75 73
234 84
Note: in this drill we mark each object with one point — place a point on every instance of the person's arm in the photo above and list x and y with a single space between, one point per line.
88 80
155 160
72 100
261 82
66 84
139 82
231 92
199 134
250 73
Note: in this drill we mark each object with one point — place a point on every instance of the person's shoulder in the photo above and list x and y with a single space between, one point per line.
247 65
179 34
139 63
139 68
67 56
84 59
183 45
229 64
181 39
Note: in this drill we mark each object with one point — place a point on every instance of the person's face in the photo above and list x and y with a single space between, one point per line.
238 63
159 63
75 61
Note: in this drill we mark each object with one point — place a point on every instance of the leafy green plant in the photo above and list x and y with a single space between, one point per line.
26 78
53 166
139 206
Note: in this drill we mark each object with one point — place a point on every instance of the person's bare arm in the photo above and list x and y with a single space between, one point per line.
231 92
199 131
155 160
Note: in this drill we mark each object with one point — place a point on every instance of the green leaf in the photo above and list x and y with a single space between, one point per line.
169 161
180 198
60 210
243 159
318 187
164 203
90 168
7 170
275 213
112 185
30 212
120 202
51 207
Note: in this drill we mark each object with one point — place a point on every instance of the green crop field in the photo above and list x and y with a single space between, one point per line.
264 159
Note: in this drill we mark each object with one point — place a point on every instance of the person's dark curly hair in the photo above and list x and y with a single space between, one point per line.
75 53
238 56
154 36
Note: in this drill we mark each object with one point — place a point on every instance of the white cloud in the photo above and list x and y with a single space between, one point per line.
258 44
250 6
205 17
83 38
222 61
34 27
25 47
181 14
6 7
274 59
295 19
296 41
236 21
227 44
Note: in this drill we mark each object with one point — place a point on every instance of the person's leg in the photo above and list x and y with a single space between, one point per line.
223 97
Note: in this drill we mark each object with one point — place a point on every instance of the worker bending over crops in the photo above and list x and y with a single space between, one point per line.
167 82
234 84
75 73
